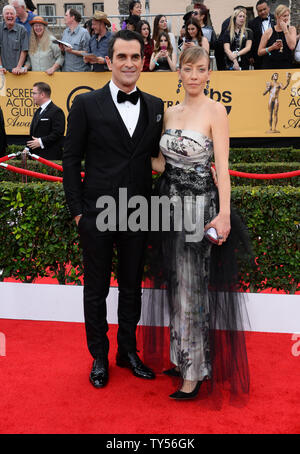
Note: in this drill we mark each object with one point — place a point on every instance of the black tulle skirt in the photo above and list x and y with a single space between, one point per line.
193 313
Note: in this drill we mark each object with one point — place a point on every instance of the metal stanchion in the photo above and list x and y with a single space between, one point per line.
24 163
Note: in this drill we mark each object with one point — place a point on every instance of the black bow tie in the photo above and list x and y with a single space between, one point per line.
133 97
264 20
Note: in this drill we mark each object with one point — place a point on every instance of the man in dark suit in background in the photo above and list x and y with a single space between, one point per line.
48 124
116 130
3 141
259 25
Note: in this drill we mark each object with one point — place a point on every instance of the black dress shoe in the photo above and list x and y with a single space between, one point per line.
133 362
173 372
180 395
99 373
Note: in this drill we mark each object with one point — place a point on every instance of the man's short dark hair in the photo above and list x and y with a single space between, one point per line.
76 14
126 35
260 2
44 88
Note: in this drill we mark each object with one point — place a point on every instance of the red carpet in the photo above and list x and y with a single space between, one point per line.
45 389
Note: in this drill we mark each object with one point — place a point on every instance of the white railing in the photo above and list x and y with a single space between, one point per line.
175 21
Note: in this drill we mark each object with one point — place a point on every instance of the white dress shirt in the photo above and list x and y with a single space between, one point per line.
129 112
265 25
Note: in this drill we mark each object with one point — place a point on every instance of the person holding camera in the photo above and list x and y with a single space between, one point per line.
163 58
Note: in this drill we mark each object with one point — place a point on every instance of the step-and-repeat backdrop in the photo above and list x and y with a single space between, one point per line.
258 103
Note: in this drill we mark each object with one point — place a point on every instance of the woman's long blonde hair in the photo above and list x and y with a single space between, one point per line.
43 43
232 25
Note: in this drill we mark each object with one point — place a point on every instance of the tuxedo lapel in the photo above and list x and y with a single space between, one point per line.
35 121
107 108
150 116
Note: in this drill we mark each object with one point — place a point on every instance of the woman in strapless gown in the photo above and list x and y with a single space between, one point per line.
200 278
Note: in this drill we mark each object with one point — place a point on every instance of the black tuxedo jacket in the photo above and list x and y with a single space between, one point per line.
256 27
3 141
96 133
50 127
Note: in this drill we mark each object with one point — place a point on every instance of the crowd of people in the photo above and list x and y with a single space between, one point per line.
266 42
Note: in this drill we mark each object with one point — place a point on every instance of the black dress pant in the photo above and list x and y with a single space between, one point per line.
97 260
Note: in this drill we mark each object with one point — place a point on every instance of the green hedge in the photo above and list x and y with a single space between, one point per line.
264 155
38 238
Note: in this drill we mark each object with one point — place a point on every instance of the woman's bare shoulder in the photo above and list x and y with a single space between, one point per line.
215 107
173 110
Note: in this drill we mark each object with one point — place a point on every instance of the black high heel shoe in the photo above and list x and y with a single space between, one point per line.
180 395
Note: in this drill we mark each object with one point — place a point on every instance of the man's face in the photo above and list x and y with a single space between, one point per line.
38 96
97 26
19 9
10 17
126 64
263 10
68 19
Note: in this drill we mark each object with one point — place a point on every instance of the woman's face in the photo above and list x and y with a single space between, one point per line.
145 31
163 23
163 42
285 17
194 76
39 30
137 9
240 19
192 31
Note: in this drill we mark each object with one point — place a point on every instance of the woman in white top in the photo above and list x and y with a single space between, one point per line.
43 54
160 24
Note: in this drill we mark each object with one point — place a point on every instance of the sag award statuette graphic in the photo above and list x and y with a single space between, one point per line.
273 88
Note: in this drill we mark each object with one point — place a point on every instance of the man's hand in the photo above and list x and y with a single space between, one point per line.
17 70
3 71
77 218
34 143
50 71
214 175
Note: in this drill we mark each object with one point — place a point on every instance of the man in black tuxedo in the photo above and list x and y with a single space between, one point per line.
259 25
48 124
116 130
3 141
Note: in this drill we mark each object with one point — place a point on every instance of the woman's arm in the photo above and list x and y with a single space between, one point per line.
220 136
290 35
245 49
262 48
205 44
153 61
228 52
172 61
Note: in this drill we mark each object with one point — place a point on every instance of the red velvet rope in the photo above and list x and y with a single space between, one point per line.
264 176
235 173
50 163
30 173
7 157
